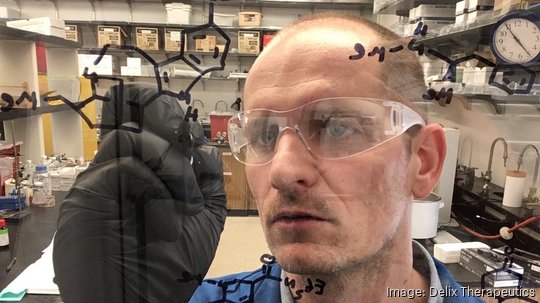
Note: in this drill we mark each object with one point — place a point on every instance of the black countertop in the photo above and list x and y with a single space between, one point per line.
27 239
487 215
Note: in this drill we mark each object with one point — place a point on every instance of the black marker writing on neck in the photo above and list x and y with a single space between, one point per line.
228 288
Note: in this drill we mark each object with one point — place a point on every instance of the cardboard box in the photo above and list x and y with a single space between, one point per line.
109 35
473 16
172 40
498 4
432 24
461 19
435 10
510 5
412 13
249 42
207 44
480 5
147 38
249 19
462 7
71 33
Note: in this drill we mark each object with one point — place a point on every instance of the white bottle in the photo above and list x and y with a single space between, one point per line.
41 183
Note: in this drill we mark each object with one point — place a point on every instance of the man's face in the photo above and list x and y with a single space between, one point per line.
318 215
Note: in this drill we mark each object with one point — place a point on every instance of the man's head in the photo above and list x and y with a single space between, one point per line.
324 215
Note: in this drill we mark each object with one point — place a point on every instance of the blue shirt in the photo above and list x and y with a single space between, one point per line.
269 285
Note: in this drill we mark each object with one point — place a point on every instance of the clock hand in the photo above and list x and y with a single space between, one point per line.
517 40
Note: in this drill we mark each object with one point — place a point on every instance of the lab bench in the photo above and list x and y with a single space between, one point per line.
487 214
28 237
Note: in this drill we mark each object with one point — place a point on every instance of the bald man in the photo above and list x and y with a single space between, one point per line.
335 151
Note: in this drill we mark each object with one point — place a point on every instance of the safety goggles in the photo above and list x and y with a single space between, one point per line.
331 128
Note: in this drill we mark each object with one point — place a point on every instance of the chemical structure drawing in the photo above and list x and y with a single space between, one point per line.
516 79
243 290
194 62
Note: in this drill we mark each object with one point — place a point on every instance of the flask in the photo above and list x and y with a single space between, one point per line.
41 183
4 237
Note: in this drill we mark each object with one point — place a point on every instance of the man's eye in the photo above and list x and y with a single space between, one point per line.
269 135
338 128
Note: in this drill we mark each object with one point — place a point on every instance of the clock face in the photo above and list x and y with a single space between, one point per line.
516 40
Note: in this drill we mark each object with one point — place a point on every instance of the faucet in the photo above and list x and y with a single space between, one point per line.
532 190
221 101
487 176
202 106
199 101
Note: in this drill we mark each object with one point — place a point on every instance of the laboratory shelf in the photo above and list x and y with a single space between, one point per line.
118 50
300 4
465 35
14 34
19 113
135 78
402 7
170 25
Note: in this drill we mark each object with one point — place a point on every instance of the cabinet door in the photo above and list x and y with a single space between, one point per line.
251 201
235 180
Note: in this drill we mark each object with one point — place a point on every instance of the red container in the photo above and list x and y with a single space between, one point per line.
218 123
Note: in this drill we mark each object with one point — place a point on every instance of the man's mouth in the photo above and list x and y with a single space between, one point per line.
292 217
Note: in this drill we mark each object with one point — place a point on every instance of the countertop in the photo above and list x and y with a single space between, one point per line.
27 239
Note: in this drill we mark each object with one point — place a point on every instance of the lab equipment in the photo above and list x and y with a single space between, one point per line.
487 175
41 183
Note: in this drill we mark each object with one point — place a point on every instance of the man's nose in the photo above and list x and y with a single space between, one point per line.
293 164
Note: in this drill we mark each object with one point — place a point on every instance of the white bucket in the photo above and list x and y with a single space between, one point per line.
425 216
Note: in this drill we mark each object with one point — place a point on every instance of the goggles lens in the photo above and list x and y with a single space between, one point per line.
331 128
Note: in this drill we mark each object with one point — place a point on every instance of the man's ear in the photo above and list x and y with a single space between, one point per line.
429 146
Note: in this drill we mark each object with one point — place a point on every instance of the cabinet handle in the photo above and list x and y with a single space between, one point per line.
227 153
227 173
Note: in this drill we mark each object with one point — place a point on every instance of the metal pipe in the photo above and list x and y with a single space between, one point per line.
487 176
505 156
221 101
199 101
532 190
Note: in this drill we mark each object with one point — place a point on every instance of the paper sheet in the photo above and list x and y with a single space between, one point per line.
35 279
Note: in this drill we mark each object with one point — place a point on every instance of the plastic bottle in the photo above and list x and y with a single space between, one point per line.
4 237
41 183
28 170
